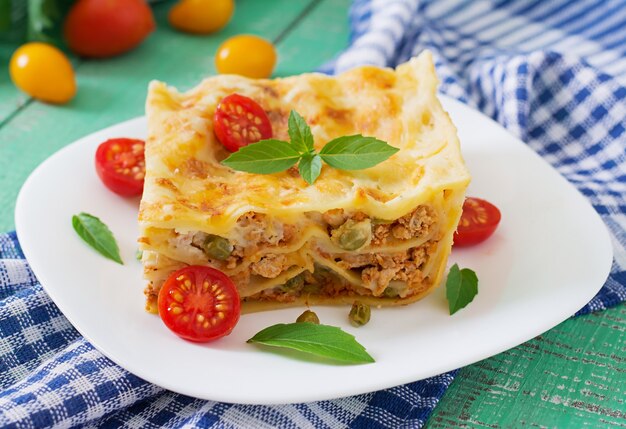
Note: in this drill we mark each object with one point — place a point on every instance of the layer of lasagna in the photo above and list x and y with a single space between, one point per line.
382 234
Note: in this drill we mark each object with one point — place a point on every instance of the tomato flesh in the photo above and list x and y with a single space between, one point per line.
239 121
121 165
199 303
479 220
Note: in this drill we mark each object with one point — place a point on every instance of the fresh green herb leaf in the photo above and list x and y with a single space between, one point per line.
345 153
356 152
95 233
138 254
310 167
263 157
321 340
300 133
461 288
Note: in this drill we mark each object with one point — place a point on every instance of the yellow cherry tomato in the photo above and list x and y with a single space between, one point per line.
247 55
43 72
201 16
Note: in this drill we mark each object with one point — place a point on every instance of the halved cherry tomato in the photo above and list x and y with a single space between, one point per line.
239 121
121 165
199 303
479 220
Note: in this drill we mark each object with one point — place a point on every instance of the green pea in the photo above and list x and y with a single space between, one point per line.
359 314
391 293
217 247
308 316
354 235
293 283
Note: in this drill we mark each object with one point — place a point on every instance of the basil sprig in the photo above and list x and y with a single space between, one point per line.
461 288
344 153
320 340
95 233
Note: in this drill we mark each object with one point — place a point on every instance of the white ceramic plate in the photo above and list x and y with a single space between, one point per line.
548 258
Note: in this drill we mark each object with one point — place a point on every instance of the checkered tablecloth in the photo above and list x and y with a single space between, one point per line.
552 72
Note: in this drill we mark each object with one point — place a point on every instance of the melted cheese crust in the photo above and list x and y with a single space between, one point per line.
187 189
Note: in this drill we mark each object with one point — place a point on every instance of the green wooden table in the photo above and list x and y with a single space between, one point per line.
572 376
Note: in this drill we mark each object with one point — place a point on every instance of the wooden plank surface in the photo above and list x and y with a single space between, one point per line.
572 376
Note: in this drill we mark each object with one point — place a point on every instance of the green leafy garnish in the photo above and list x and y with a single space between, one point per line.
310 167
300 133
320 340
95 233
344 153
264 157
461 288
356 152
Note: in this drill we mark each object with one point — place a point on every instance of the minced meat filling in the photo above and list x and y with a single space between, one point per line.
377 270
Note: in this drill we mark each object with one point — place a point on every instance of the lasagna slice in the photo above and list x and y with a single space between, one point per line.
382 235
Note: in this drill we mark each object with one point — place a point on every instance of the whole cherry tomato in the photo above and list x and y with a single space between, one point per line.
121 165
43 72
199 303
105 28
201 16
479 220
239 121
246 55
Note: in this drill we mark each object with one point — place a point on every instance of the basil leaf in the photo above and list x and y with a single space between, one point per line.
310 167
356 152
461 288
300 133
95 233
263 157
321 340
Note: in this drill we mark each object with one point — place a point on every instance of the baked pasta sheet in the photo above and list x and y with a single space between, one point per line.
382 235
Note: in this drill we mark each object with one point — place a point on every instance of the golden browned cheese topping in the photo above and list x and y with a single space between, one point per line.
187 188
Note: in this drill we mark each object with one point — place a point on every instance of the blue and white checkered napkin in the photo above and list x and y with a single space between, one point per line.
553 73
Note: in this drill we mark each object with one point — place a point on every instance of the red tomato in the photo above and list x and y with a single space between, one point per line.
104 28
199 303
239 121
479 220
121 165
